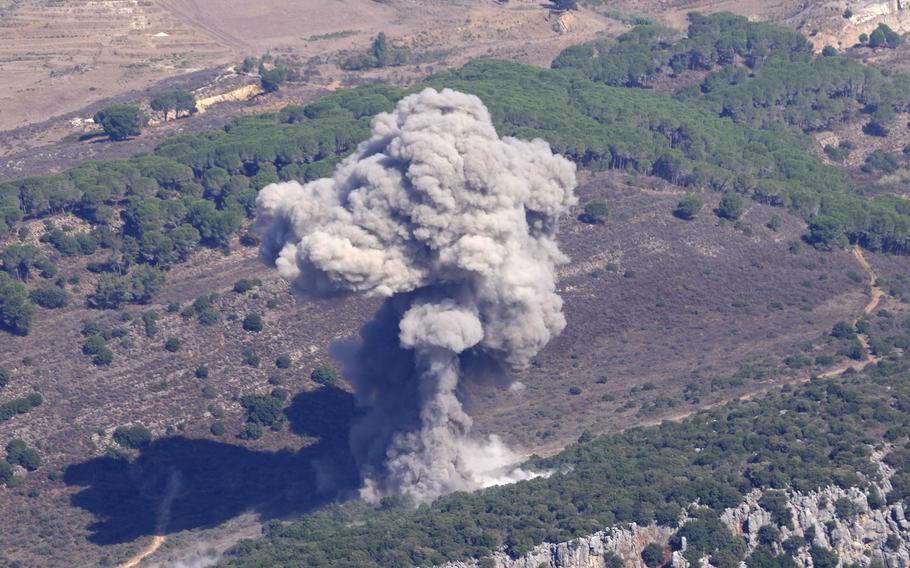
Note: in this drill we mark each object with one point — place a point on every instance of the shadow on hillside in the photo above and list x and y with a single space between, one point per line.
179 483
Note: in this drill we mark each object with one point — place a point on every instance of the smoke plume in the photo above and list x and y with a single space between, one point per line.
456 228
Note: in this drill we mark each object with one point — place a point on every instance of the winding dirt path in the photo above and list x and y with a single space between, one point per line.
150 549
874 300
164 516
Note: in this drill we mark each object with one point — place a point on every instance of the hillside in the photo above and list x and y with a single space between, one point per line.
165 387
814 465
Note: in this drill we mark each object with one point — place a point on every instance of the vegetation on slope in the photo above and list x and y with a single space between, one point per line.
199 189
805 438
767 78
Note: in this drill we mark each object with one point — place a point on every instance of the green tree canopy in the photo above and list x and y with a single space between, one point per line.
174 100
120 121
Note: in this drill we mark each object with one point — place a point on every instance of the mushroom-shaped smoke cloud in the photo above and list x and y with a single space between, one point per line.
456 227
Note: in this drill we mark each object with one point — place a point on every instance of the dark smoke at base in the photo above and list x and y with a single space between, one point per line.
456 227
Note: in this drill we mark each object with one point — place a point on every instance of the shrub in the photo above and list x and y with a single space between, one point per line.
612 560
173 344
853 350
202 372
6 473
19 406
93 345
653 555
253 322
324 375
16 310
250 431
596 211
17 452
775 502
875 500
132 437
822 557
244 285
104 357
775 222
845 509
50 297
4 377
252 359
688 207
209 316
150 323
731 206
575 391
768 535
283 361
208 392
843 330
217 428
262 409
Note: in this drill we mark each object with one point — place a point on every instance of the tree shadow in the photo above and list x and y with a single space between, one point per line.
179 483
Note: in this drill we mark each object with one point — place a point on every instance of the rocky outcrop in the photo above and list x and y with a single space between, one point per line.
838 519
857 533
834 518
585 552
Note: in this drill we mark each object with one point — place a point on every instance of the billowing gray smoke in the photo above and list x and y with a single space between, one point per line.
456 227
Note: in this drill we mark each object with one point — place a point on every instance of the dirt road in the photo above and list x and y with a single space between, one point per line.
152 547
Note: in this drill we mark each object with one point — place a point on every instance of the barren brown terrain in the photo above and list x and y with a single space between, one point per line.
61 60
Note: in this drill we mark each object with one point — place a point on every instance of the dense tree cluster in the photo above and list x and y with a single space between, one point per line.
381 54
120 121
767 77
641 54
884 36
802 438
176 100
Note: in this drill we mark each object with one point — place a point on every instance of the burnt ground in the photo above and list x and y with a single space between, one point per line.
664 316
